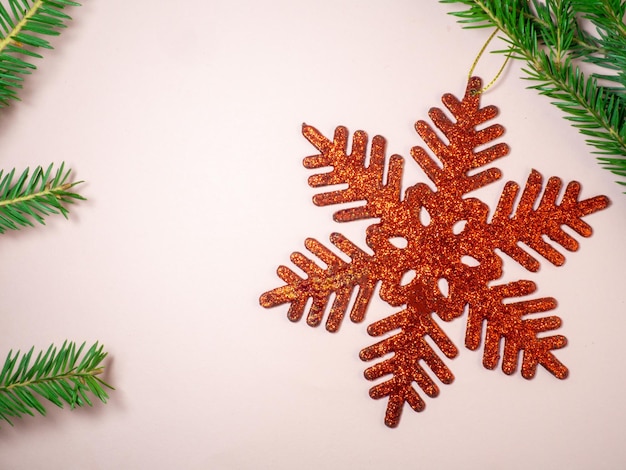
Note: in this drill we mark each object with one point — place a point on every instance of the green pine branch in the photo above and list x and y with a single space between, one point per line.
610 45
23 27
548 36
64 376
31 199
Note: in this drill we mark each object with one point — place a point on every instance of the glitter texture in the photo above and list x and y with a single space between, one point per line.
434 253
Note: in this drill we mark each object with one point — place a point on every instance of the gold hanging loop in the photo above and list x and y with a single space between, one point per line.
480 53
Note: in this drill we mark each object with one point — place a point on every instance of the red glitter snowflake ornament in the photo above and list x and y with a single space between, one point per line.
453 257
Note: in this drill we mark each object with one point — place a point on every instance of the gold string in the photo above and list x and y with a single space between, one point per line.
480 53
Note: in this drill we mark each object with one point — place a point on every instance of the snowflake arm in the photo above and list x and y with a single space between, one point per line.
339 277
365 183
458 157
409 348
528 225
505 321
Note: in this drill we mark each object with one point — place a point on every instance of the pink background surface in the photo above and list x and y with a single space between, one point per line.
184 121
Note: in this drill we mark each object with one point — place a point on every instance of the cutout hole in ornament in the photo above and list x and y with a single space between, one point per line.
399 242
444 286
469 261
407 277
459 227
424 217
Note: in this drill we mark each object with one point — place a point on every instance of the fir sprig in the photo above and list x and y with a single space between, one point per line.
30 199
63 376
23 27
549 38
67 375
